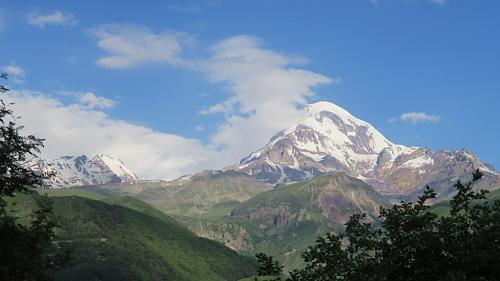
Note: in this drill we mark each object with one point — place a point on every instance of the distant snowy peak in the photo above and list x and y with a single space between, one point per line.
116 166
329 138
70 171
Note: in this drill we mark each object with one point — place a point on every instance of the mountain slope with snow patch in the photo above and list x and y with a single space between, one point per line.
332 139
70 171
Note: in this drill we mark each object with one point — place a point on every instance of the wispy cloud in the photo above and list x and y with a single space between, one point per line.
417 117
131 45
217 108
266 92
92 101
393 119
15 72
56 17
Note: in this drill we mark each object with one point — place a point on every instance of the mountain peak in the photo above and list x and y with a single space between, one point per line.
116 166
81 170
321 106
330 138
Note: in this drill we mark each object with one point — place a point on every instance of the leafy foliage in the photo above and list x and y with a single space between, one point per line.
26 252
268 266
15 151
412 243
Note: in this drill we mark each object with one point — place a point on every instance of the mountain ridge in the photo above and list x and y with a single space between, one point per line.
332 139
71 171
328 139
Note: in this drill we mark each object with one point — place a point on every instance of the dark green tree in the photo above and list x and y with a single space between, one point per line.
26 250
268 266
412 243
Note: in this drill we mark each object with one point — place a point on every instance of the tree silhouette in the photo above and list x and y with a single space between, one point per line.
26 250
412 243
268 266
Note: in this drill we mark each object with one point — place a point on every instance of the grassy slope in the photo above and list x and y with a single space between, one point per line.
126 239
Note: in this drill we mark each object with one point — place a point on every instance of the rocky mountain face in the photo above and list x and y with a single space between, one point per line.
232 235
332 139
334 195
402 175
285 220
71 171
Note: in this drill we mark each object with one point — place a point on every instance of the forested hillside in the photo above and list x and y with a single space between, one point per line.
126 239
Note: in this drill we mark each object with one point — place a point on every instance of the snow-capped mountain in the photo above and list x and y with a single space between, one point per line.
81 170
332 139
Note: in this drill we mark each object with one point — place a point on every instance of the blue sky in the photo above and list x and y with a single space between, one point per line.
157 69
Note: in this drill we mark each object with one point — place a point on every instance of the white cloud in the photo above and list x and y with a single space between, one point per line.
266 92
72 129
15 72
131 45
13 69
217 108
54 18
420 117
266 89
91 101
199 128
